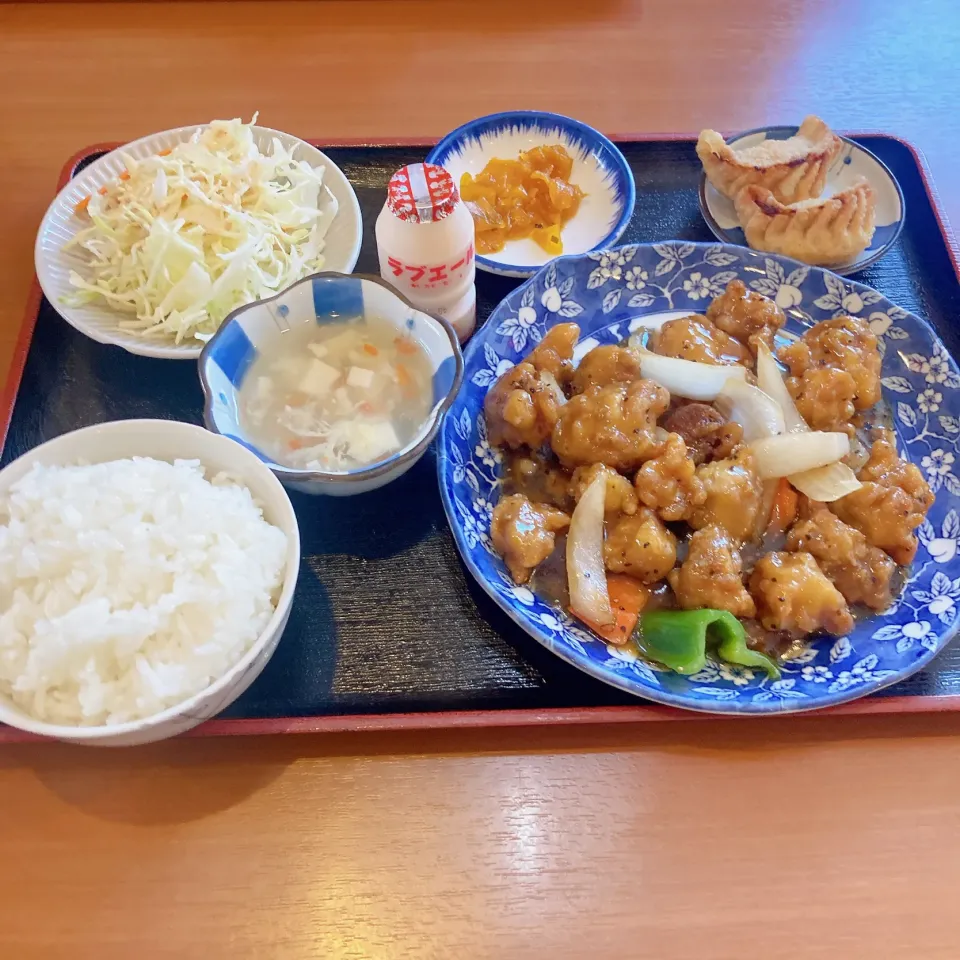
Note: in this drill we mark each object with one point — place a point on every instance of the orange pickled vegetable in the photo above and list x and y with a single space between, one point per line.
81 205
527 197
371 349
404 345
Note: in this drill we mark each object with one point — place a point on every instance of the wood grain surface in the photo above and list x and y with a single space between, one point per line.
786 839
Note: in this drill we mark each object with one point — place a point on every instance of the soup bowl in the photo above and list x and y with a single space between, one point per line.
257 330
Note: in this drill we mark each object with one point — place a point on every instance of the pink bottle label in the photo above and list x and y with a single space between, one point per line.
426 277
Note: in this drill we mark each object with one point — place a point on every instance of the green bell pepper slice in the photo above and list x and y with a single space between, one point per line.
678 640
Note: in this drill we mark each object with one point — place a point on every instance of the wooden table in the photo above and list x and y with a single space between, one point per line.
787 839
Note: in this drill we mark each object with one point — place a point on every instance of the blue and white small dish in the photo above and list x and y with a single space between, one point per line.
854 161
614 292
599 169
258 327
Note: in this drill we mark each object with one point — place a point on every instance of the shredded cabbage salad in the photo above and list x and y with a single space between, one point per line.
182 238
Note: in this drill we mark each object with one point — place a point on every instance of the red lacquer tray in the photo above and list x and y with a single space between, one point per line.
388 631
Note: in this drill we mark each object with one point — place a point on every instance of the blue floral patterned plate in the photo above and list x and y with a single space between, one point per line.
613 292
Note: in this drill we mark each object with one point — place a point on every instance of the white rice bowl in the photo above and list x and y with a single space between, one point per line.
127 587
167 440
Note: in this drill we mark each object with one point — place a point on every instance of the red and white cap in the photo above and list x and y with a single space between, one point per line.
421 193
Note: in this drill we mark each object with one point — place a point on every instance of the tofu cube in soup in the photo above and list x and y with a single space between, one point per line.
359 377
319 378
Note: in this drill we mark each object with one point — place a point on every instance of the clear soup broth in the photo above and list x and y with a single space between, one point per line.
337 397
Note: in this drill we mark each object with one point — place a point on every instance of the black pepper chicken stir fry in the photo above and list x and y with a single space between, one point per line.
686 472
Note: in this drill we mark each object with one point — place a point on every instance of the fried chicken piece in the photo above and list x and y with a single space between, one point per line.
541 480
522 406
614 424
620 497
887 517
734 493
750 317
707 435
668 483
892 502
710 577
640 546
606 364
697 338
858 570
844 343
523 533
793 594
824 398
554 353
886 466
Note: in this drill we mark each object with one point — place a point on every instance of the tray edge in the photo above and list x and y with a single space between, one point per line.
503 719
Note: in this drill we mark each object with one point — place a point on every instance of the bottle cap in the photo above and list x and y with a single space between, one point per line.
421 193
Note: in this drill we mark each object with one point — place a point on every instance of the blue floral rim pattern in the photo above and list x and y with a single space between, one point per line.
611 293
584 140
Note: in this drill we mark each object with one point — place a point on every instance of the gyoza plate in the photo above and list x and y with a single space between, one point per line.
854 161
613 292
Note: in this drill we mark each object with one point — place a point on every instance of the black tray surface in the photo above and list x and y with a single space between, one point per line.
386 619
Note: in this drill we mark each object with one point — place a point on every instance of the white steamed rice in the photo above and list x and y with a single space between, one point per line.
127 587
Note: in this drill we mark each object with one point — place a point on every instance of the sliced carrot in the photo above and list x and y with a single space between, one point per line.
627 599
82 205
784 510
103 191
404 345
124 174
371 349
165 153
295 444
407 386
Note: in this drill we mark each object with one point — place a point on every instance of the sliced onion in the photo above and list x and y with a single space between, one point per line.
686 378
550 382
759 414
792 453
770 381
826 484
586 575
